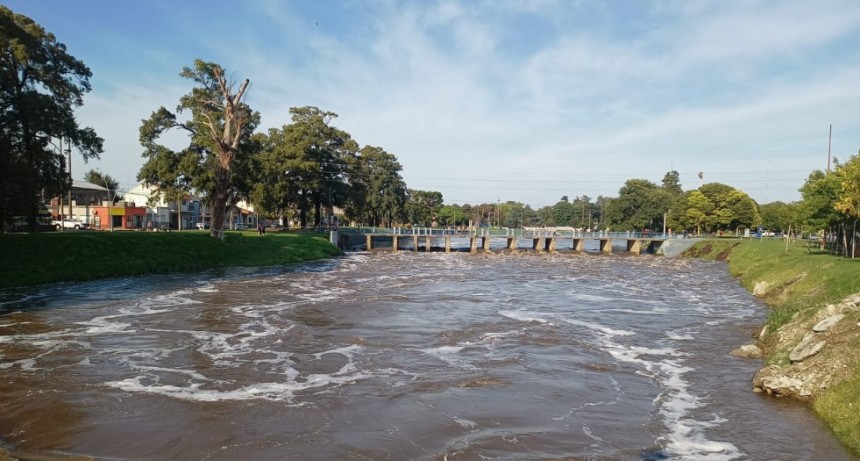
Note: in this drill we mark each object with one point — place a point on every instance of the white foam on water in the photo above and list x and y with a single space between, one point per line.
104 325
686 437
523 316
199 387
598 327
587 431
467 424
448 354
679 337
494 338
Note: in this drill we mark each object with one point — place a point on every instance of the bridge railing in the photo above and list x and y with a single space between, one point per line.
505 232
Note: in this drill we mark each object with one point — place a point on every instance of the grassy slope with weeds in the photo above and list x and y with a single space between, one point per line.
802 280
32 259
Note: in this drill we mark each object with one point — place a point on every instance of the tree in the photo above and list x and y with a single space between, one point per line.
422 207
99 179
713 207
820 193
304 165
848 176
452 215
562 212
41 85
379 192
672 183
215 163
779 215
640 204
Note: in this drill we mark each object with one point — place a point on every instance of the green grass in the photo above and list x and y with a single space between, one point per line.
32 259
839 407
802 281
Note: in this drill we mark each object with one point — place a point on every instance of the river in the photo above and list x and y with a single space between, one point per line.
398 356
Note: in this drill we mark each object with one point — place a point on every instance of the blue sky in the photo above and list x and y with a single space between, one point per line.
500 100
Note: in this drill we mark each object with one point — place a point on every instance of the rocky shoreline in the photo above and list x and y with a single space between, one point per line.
808 355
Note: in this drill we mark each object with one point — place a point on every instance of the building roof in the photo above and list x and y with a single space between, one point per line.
87 185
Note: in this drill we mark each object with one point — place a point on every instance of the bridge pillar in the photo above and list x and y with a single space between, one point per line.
447 244
579 245
606 246
428 243
369 242
538 244
634 246
512 243
415 242
550 245
473 244
485 243
395 242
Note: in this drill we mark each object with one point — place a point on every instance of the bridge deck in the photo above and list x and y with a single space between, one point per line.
541 240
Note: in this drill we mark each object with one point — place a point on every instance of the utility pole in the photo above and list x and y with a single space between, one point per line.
71 179
829 142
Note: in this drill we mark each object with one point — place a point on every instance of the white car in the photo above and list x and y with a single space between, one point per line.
69 223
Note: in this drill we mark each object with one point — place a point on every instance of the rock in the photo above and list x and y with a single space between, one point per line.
765 329
807 348
760 289
748 351
773 382
831 310
825 324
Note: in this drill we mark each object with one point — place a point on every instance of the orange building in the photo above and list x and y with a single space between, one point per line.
121 215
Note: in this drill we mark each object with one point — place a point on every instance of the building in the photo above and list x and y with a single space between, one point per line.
91 204
184 214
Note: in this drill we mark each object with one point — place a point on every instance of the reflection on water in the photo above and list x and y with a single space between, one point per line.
398 356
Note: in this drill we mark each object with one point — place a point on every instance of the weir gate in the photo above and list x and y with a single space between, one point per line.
512 240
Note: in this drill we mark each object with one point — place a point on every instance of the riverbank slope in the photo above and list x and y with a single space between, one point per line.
811 340
33 259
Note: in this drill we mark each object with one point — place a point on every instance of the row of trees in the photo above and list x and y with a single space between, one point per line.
308 166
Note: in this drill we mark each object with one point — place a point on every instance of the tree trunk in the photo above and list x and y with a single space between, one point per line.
219 209
317 211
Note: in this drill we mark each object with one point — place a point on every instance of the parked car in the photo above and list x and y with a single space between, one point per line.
202 225
69 223
768 233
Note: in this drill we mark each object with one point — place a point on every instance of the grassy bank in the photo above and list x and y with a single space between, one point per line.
802 281
32 259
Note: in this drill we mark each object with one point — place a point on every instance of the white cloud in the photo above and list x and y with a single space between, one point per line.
590 97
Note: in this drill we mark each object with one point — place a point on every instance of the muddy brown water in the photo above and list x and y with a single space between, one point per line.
398 356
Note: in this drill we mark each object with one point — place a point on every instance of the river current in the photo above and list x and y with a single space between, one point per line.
398 356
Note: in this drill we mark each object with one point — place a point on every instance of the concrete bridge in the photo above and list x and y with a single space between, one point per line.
535 239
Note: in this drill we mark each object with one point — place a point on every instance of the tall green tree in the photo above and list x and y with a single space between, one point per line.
379 192
422 207
41 86
779 215
714 207
215 163
820 193
452 215
304 165
516 214
848 176
562 212
672 183
640 204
